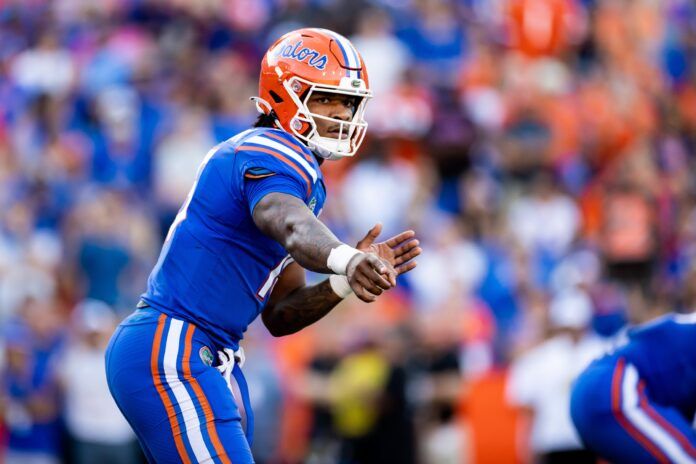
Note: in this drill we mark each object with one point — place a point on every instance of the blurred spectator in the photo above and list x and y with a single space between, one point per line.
324 445
452 268
31 401
176 160
414 118
385 56
102 252
122 130
629 233
31 266
98 431
557 361
438 385
263 377
435 36
541 27
46 68
394 429
546 220
378 177
545 223
357 385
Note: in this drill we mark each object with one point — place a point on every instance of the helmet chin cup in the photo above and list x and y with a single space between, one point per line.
351 132
329 148
320 151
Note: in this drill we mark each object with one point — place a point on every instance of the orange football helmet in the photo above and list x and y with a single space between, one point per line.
314 60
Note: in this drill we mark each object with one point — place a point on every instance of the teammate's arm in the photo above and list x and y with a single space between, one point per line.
287 220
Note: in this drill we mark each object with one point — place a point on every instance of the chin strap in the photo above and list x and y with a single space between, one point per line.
263 107
314 143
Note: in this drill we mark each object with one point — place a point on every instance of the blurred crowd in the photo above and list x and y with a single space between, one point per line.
543 150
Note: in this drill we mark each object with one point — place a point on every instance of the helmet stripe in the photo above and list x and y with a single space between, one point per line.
353 51
350 55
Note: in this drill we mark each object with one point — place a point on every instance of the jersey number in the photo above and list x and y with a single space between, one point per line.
272 278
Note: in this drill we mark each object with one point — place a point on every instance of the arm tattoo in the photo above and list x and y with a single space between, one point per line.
288 220
301 308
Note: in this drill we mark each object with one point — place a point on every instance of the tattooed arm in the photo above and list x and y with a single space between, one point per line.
293 306
287 220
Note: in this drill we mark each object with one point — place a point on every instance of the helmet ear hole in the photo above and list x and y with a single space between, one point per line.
276 98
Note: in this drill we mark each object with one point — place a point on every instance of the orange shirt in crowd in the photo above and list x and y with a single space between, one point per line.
493 424
541 27
628 227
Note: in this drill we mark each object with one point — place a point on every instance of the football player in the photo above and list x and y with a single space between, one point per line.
636 404
238 249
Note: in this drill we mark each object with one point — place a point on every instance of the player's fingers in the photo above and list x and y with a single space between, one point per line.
369 285
384 272
377 280
408 256
388 271
391 273
374 279
370 237
361 292
404 268
398 239
368 297
406 247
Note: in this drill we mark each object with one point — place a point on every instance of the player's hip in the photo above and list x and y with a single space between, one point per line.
615 414
161 372
149 343
591 391
611 388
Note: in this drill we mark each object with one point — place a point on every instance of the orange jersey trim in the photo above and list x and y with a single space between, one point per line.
258 176
268 151
288 144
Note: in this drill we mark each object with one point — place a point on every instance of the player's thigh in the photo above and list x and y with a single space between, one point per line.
218 415
179 406
129 373
594 418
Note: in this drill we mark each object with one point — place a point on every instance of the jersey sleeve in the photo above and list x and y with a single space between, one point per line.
257 188
267 166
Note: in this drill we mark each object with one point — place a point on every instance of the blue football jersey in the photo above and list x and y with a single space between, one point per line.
216 268
664 352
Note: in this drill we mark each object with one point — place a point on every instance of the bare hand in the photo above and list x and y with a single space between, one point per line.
399 250
369 276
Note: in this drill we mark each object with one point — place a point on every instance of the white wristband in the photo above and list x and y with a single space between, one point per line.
339 258
339 285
